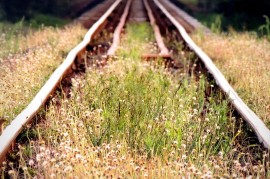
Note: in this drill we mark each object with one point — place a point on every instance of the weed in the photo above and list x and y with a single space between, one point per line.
10 37
23 74
244 60
39 20
216 25
132 119
265 29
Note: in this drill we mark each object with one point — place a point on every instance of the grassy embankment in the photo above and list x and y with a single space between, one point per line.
243 57
244 60
27 58
132 119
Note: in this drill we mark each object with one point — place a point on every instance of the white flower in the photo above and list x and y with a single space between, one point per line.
31 162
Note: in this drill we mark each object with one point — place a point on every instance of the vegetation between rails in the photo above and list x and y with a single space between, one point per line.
132 119
27 61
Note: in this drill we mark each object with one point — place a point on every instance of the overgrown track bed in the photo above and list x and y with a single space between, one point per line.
170 28
10 133
261 130
244 60
129 118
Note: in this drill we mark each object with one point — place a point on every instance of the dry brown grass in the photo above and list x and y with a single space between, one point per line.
22 74
245 61
67 147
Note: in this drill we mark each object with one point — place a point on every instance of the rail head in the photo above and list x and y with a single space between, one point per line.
158 37
117 32
260 129
11 132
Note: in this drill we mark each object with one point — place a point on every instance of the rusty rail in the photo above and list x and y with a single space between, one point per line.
158 37
117 32
260 129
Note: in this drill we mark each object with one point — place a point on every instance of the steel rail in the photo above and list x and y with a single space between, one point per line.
260 129
158 37
16 126
118 29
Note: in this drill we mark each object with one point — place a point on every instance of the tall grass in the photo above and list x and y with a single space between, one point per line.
14 36
265 29
22 74
133 119
10 37
244 59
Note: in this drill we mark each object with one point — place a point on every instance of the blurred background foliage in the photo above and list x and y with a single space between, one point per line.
47 12
14 10
233 14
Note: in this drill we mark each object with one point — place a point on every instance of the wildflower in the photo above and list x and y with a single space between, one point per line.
45 163
24 168
137 168
78 156
38 157
220 154
31 162
52 175
192 168
118 146
184 157
68 169
255 168
42 149
183 146
209 174
99 110
11 172
65 134
146 174
216 167
47 152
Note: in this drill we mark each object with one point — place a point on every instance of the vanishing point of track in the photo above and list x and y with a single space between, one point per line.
164 18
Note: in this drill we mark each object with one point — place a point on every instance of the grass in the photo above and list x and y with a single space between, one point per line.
193 2
47 20
24 69
244 60
131 119
17 37
10 37
265 29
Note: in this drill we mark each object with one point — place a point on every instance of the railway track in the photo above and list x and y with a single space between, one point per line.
165 20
